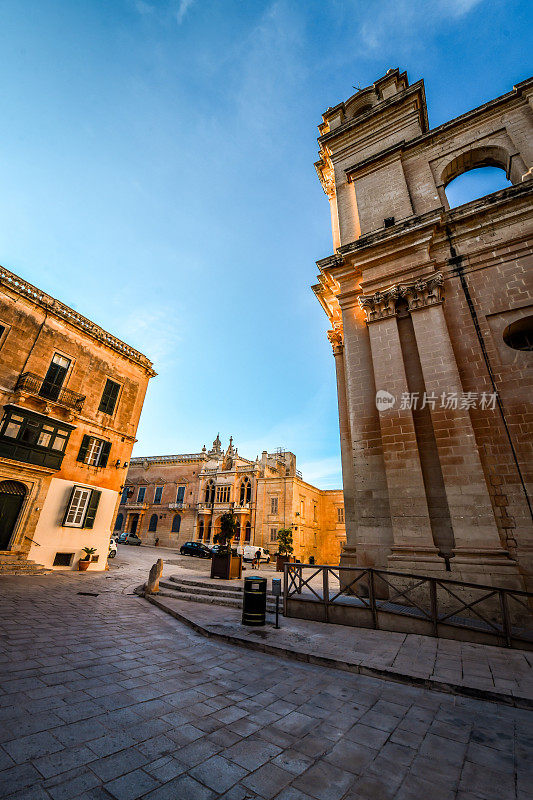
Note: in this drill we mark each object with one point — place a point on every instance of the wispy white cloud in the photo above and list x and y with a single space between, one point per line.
183 7
403 21
143 7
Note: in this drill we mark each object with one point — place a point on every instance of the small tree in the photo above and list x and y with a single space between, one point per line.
228 529
285 547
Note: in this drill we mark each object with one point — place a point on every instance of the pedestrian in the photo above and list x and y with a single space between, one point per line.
257 559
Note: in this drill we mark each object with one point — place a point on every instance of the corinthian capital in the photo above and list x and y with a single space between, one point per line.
424 292
421 293
336 340
379 305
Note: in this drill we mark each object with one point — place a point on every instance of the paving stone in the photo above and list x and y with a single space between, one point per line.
252 753
218 773
71 785
132 785
182 788
165 768
268 780
18 777
64 760
119 763
325 781
32 746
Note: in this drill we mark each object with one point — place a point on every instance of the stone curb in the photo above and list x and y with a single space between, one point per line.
346 666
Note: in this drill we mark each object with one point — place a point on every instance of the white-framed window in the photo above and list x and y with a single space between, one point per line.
273 534
273 505
93 451
158 494
81 507
141 493
340 514
77 507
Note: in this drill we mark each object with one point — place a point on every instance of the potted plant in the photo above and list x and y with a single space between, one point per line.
225 563
285 548
83 563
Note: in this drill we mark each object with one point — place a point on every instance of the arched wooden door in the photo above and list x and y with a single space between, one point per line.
12 494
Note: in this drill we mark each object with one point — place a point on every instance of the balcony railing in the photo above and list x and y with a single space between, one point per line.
179 506
35 385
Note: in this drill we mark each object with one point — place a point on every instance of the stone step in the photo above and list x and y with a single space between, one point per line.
227 586
201 589
167 589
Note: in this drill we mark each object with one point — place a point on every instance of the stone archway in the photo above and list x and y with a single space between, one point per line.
12 495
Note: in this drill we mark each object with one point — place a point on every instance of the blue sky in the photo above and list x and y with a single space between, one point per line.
156 173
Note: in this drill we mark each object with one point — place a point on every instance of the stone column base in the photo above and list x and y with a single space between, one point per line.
484 566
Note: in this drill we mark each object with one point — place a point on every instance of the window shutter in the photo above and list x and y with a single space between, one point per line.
82 455
104 454
109 397
71 495
91 509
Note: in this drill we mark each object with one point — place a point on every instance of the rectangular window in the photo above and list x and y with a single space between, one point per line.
12 429
273 505
314 513
55 376
125 494
273 534
2 331
141 493
81 507
340 514
93 451
223 494
181 494
302 508
109 397
158 494
79 502
63 559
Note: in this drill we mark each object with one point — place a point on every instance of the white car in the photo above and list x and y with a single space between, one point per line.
249 550
112 548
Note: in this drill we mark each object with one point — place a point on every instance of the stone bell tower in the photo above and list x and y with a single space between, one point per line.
419 298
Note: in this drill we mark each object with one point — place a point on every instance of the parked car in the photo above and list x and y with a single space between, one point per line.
132 538
195 549
112 548
249 550
122 538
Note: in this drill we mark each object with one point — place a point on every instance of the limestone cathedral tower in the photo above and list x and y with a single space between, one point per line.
431 323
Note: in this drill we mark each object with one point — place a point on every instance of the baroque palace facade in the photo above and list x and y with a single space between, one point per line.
180 498
71 397
431 318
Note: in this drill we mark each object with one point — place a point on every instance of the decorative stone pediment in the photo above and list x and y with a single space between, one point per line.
420 293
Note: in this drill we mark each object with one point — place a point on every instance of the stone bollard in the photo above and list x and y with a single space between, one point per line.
152 585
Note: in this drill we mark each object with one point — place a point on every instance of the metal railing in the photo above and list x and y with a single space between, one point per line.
376 598
34 384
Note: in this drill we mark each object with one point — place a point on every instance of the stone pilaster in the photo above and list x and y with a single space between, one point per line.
373 525
478 554
335 337
413 547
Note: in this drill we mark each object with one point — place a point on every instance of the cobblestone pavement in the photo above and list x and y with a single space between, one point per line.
104 696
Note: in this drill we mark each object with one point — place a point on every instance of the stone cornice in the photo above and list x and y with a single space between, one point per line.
67 314
421 293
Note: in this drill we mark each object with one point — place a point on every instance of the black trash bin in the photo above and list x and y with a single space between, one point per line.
254 601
